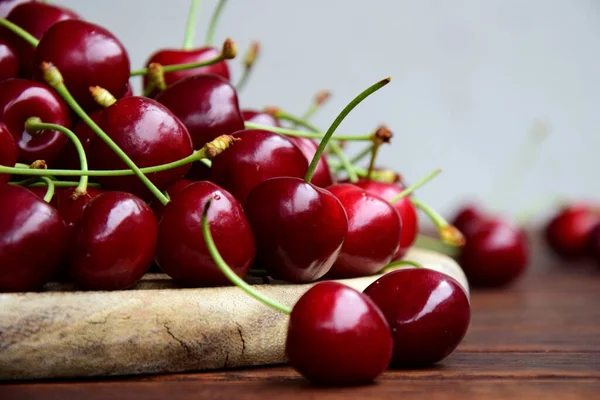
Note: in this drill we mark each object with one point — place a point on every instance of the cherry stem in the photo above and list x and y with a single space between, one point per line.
346 163
22 33
34 182
249 61
102 96
355 102
374 150
35 125
50 191
156 79
190 30
320 98
228 272
429 243
362 154
210 33
448 233
304 134
409 190
393 265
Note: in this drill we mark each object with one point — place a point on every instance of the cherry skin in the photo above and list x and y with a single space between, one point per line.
322 176
171 191
21 99
428 312
114 242
206 104
568 231
150 135
86 55
182 251
594 244
337 335
9 63
260 117
33 240
8 151
180 56
70 210
299 228
36 18
374 229
468 218
69 158
6 6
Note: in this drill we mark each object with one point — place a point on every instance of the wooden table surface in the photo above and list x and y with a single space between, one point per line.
539 338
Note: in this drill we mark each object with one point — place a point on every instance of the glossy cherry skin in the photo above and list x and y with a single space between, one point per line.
181 56
568 231
150 135
171 191
21 99
70 210
36 18
182 252
495 254
337 335
206 104
8 151
428 312
322 176
9 63
594 244
406 209
468 219
6 6
256 157
86 55
260 117
374 229
299 228
33 240
114 242
69 158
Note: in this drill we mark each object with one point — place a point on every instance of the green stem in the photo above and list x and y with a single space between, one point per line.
228 272
448 233
415 186
190 30
314 107
22 33
374 151
304 134
212 26
358 157
206 162
50 192
346 164
429 243
58 184
398 263
356 101
243 79
181 67
284 116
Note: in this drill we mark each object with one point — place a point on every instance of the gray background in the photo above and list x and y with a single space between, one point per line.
470 77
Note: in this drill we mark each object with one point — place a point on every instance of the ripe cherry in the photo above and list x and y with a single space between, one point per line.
428 312
337 336
568 231
86 55
69 159
114 242
71 209
171 191
322 176
260 117
21 99
8 151
33 240
9 63
468 219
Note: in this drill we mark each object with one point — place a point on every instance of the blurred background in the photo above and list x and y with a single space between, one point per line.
470 79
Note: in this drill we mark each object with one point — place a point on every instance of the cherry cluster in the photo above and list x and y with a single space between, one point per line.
183 178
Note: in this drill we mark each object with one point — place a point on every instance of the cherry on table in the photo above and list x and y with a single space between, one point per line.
568 231
9 62
8 151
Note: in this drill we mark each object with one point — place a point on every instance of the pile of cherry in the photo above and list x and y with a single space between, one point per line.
177 177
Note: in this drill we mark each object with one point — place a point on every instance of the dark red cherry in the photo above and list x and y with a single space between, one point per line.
495 254
322 175
6 6
69 158
8 151
260 117
114 242
70 210
181 56
33 240
36 18
9 63
299 228
468 219
257 156
21 99
429 314
182 252
337 335
150 135
406 209
568 231
594 244
86 55
206 104
374 229
172 190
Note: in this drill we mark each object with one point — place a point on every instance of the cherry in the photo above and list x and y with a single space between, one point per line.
206 104
428 312
8 151
33 239
9 63
71 209
260 117
336 335
35 18
6 6
257 156
181 250
69 159
322 176
86 55
21 99
594 244
171 191
468 218
568 231
374 229
114 242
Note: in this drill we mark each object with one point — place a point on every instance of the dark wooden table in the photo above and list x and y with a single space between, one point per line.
537 339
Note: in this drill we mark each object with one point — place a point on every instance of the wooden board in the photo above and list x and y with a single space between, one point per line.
152 328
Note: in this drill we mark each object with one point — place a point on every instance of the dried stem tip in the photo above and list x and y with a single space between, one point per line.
102 96
219 145
322 96
51 74
452 236
382 135
39 164
273 111
252 54
229 49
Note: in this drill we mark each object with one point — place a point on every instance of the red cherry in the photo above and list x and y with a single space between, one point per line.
429 314
6 6
336 335
21 99
86 55
114 243
374 229
69 158
149 134
568 232
206 104
70 210
9 63
299 228
35 18
33 240
182 251
260 117
468 219
8 151
180 56
322 175
594 244
171 191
